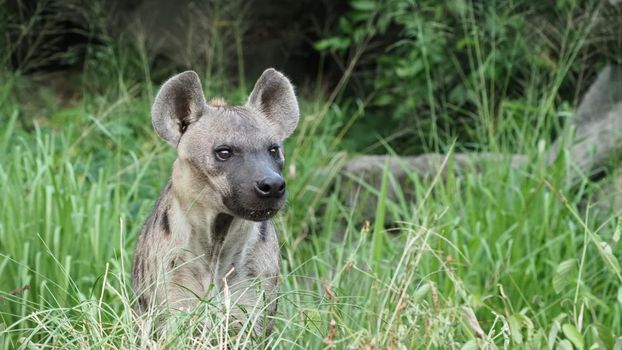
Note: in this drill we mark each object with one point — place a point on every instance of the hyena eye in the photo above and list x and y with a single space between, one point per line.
274 151
223 153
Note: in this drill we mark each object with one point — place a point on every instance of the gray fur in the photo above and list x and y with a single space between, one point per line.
210 232
179 103
274 96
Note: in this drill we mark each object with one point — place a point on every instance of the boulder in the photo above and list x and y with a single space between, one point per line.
600 98
608 199
366 171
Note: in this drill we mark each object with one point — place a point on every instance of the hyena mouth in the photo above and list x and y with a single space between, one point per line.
258 214
252 211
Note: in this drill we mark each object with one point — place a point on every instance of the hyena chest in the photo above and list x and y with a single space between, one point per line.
247 257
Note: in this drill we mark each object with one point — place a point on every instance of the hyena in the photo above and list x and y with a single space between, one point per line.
210 232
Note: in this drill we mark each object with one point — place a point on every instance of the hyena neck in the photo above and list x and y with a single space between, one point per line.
207 231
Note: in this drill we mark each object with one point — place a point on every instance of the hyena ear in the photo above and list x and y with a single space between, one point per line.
179 103
274 96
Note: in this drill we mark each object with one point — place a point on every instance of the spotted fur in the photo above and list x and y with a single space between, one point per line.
210 231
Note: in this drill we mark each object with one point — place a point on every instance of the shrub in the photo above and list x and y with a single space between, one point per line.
450 66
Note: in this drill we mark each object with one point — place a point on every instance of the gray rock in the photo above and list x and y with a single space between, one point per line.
608 199
598 141
365 172
597 124
604 93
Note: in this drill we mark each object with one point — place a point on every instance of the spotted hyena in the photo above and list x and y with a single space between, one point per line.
210 233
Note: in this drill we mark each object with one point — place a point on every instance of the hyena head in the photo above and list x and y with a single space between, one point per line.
229 158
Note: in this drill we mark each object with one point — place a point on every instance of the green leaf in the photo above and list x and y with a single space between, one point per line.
383 100
407 69
333 44
312 316
323 44
457 7
564 345
562 274
597 341
571 332
421 292
553 334
617 233
363 5
470 345
345 25
515 329
606 254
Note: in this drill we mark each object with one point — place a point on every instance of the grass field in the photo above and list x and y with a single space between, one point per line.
499 258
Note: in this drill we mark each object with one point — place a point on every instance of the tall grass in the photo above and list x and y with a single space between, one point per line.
497 257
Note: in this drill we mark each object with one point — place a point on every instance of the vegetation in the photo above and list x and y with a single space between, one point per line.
498 258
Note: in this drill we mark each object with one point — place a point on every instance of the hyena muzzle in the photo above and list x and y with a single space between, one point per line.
210 233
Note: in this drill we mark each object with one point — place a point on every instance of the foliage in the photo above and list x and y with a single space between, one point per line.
431 68
495 259
500 258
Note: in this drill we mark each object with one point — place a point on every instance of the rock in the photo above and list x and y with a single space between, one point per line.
598 141
604 93
366 171
608 199
597 123
425 165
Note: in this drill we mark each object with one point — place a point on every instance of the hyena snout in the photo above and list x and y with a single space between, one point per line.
257 191
270 187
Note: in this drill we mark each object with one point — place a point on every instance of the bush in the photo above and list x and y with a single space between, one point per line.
447 66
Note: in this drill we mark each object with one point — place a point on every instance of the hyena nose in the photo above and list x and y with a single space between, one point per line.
270 187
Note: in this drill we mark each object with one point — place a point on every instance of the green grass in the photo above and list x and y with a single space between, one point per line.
495 258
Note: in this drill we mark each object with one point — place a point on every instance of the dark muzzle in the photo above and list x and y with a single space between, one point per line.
270 187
